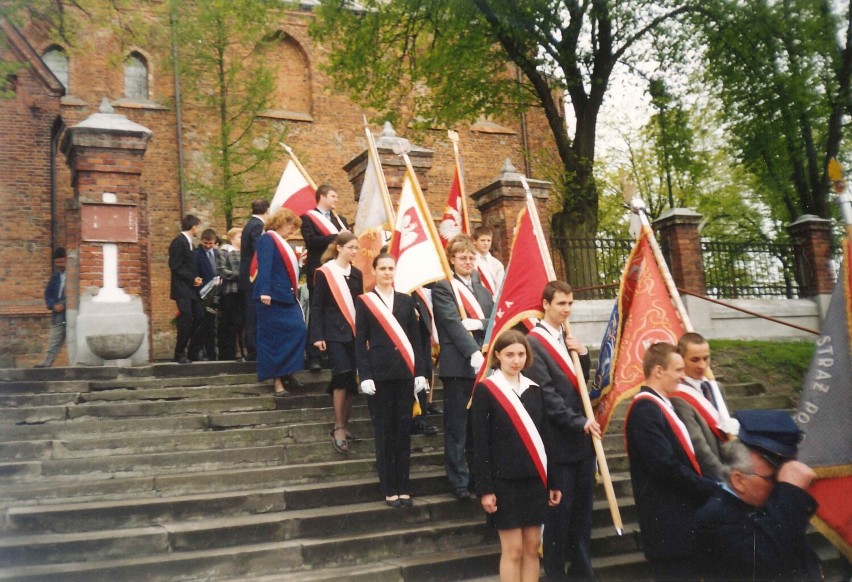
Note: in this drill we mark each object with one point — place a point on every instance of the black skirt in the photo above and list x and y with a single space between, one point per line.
341 355
520 503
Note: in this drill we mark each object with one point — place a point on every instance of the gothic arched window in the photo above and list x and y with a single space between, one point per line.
57 61
136 76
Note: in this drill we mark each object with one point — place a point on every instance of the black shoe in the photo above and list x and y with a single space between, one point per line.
432 409
461 494
420 426
292 383
183 360
314 365
393 502
406 501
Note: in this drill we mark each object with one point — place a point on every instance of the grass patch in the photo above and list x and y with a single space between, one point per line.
780 366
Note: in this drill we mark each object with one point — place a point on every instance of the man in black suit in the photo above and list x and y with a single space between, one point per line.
568 526
666 478
320 227
252 232
461 356
185 285
206 265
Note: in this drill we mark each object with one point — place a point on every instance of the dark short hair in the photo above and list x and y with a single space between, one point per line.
209 234
657 354
689 339
506 339
381 256
259 206
189 221
554 287
59 253
482 231
322 191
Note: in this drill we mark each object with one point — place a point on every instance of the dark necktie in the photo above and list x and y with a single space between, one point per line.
707 391
212 259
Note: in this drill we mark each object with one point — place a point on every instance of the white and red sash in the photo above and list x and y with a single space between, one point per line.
392 328
675 423
288 256
521 420
558 352
707 411
468 300
340 291
324 225
426 296
485 276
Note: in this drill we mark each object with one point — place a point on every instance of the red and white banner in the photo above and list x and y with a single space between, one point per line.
467 299
294 191
420 260
324 225
703 406
558 352
675 423
455 220
340 291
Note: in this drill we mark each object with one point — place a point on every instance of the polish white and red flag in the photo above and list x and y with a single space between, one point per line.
420 260
455 219
295 190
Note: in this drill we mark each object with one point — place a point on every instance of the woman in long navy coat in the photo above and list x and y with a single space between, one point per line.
281 328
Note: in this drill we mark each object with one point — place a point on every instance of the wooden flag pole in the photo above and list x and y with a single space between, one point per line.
301 168
603 466
454 137
844 198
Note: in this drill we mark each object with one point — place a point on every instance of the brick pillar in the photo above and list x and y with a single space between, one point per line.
812 242
500 202
105 154
388 144
681 245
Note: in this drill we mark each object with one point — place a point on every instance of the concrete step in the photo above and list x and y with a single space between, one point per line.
128 513
231 479
40 387
86 426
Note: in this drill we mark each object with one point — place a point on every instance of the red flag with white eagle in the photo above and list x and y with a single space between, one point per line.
295 191
455 219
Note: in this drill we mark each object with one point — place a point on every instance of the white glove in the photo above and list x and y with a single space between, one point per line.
420 384
368 387
476 360
471 324
730 426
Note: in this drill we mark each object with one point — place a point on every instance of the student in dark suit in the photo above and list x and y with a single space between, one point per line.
207 266
184 286
320 226
54 299
332 327
280 324
461 356
390 366
667 482
512 449
756 527
568 527
252 231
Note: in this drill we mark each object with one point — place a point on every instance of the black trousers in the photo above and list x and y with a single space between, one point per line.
230 322
250 318
391 412
682 569
190 316
568 526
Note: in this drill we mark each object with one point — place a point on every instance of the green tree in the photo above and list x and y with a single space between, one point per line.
226 82
782 70
446 61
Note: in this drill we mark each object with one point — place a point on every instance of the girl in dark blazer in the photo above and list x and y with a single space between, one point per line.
391 368
332 327
511 448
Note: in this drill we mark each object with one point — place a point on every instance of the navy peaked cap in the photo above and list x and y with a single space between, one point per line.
772 431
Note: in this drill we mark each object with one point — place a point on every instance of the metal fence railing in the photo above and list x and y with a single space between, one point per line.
734 270
594 263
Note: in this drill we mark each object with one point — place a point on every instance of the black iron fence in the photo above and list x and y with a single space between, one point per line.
732 270
749 269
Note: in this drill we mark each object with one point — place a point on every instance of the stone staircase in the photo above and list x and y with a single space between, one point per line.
170 472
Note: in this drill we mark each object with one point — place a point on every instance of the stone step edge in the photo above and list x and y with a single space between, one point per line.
295 546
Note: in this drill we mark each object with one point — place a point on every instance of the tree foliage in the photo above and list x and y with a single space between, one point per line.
782 71
227 82
449 61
